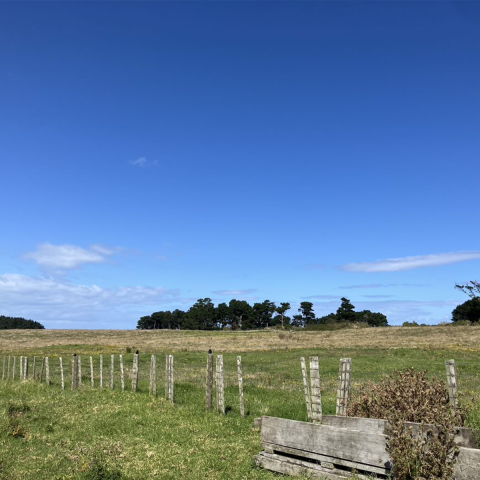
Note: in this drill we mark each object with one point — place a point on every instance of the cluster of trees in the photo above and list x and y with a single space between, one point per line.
468 311
18 322
240 315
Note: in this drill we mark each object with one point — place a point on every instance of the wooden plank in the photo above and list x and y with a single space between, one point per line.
295 467
209 382
467 466
270 447
463 438
75 372
240 385
153 376
315 390
352 445
343 391
306 389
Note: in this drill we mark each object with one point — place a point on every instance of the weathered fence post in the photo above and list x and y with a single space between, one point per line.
240 385
62 378
8 368
34 367
47 371
122 373
101 372
75 372
92 377
112 371
42 370
452 383
25 369
209 380
135 371
306 388
20 373
169 378
79 371
220 385
3 371
343 391
153 375
315 389
13 369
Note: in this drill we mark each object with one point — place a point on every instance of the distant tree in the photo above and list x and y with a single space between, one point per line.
7 323
472 288
307 313
201 315
469 310
346 311
263 313
281 310
177 319
374 319
223 316
241 313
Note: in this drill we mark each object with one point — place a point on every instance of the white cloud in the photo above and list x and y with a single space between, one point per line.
410 263
53 301
67 256
236 292
143 162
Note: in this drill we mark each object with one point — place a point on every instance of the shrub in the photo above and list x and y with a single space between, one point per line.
409 396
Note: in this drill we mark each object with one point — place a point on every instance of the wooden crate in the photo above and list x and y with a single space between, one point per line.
342 447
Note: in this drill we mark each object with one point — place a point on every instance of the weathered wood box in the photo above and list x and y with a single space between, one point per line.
343 446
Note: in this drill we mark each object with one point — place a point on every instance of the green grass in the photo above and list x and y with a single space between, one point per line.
104 434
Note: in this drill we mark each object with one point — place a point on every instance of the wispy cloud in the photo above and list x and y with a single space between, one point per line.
383 285
378 296
410 263
64 257
233 293
51 300
143 162
325 297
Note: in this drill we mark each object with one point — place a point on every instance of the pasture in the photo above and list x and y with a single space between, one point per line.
94 433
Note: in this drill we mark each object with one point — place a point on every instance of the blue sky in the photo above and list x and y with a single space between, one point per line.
154 153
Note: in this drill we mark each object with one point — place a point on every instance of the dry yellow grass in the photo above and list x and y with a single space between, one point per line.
466 338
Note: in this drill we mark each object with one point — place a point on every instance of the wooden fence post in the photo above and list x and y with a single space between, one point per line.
308 400
153 375
75 372
122 373
13 369
209 392
171 380
92 377
343 391
101 372
79 371
34 367
315 389
62 378
42 370
8 368
220 385
167 377
47 371
3 371
20 373
240 385
452 383
25 369
135 371
112 370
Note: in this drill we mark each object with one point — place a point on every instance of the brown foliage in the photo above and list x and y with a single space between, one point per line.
409 396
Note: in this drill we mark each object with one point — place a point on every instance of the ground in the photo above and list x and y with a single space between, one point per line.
47 433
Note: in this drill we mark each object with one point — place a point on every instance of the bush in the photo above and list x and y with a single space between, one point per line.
409 396
467 311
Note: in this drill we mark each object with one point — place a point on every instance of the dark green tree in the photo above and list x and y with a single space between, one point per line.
201 315
346 311
307 313
472 288
223 316
19 322
374 319
263 313
469 310
281 310
242 314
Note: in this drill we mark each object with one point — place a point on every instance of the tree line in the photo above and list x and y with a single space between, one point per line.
240 315
18 322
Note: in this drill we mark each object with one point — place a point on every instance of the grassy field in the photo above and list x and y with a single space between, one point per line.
98 433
